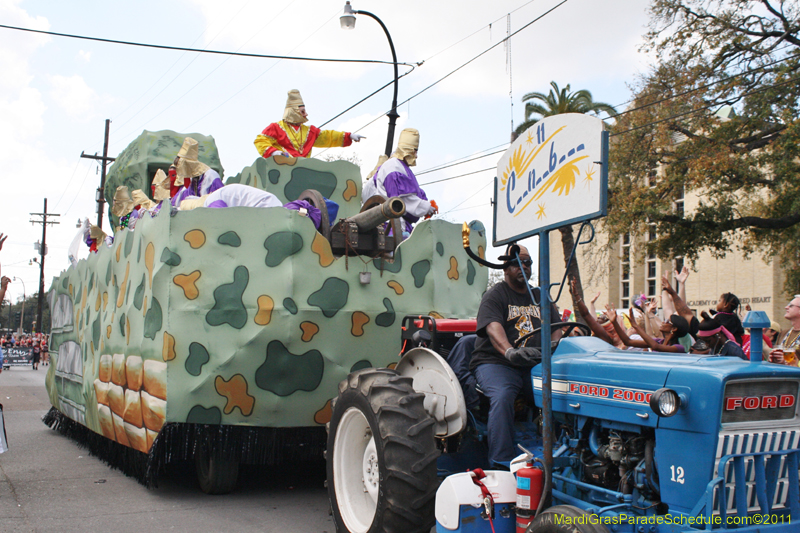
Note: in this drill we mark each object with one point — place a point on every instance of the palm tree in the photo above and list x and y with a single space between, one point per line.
557 102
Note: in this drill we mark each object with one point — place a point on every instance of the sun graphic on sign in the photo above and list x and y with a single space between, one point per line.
540 212
529 140
590 172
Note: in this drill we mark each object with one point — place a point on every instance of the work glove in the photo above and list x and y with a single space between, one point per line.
355 137
524 357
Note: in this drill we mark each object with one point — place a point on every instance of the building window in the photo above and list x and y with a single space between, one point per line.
625 270
679 203
651 275
651 179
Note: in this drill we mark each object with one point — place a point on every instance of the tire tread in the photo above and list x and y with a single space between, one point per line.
405 437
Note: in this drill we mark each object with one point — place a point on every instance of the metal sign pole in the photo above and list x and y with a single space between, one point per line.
547 389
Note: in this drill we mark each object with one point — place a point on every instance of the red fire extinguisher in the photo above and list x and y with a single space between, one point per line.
530 485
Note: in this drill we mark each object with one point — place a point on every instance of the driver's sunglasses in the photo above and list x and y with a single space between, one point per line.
525 262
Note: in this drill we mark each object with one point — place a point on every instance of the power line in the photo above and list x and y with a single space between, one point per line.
366 98
703 108
200 50
158 79
654 103
468 197
470 61
477 31
465 208
702 87
74 170
459 162
80 188
487 50
459 176
696 110
260 75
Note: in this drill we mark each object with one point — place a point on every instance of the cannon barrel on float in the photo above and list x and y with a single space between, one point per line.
365 233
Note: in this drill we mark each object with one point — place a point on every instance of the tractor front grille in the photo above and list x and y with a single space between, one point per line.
747 442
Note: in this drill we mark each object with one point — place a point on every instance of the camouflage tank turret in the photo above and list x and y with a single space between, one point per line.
222 334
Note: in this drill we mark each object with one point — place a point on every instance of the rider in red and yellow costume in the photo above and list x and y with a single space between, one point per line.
291 137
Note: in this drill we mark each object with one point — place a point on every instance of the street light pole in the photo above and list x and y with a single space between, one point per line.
348 22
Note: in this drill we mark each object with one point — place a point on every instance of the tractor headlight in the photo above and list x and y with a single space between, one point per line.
665 402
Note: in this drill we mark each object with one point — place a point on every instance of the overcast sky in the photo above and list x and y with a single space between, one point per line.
55 92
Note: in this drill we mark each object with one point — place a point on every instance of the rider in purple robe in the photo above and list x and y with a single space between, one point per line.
395 178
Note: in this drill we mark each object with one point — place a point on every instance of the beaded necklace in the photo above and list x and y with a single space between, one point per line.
124 220
787 342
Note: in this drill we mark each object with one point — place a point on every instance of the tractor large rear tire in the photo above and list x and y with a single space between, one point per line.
381 456
565 519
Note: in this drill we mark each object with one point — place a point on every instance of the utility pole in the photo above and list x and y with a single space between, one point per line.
104 160
42 250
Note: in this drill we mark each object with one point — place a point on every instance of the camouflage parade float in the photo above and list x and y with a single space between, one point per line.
221 335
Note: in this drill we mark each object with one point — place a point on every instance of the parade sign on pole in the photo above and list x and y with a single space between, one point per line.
553 175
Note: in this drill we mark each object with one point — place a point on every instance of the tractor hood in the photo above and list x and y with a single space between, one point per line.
590 377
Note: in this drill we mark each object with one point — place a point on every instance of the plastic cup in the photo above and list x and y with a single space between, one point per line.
790 355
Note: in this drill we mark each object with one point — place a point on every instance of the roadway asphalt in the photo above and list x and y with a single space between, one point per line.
48 483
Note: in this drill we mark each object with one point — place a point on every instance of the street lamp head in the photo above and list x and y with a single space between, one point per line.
348 18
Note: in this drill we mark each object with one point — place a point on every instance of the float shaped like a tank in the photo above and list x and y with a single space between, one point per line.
221 335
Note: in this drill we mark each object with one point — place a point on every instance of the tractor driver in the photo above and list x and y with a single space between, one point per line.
507 313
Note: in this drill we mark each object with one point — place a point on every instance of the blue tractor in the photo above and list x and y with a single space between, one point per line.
643 442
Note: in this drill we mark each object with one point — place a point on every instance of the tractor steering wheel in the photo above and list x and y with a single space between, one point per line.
555 325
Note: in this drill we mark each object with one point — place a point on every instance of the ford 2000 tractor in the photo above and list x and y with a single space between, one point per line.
671 442
630 441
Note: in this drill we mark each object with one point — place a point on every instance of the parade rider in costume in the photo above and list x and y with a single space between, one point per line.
123 207
393 177
192 177
291 137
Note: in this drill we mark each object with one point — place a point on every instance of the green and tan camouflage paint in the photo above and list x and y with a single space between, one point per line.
240 315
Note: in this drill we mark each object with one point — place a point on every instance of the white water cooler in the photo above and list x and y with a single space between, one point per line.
460 506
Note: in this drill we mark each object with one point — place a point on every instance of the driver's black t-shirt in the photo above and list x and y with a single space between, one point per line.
515 312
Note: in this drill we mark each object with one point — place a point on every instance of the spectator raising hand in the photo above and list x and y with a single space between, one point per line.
681 276
590 317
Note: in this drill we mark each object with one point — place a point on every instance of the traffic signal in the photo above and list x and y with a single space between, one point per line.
16 317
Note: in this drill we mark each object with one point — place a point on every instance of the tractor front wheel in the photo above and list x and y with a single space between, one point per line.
381 458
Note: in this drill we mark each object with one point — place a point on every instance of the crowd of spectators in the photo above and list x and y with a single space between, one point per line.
673 327
37 342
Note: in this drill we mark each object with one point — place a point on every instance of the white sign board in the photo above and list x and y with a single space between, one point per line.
553 175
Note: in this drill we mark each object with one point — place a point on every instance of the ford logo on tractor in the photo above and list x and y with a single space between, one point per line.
750 400
755 402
